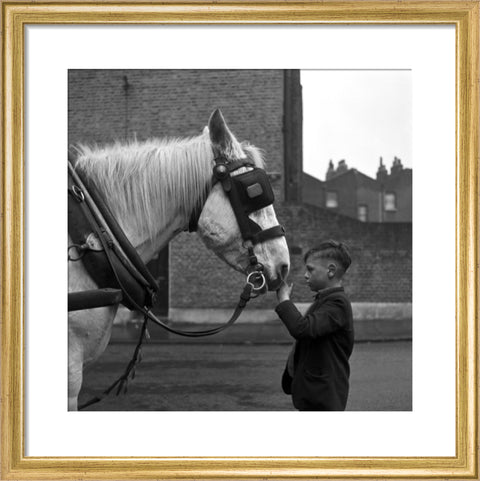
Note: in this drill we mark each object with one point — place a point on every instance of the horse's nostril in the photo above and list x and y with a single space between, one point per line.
284 271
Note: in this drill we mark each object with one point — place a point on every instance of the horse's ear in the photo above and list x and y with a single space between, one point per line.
220 135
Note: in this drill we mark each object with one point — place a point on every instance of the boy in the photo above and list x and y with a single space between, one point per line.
317 369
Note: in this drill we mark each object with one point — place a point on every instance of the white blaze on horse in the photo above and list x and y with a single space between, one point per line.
152 189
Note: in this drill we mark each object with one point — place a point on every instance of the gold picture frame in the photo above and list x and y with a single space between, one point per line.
15 15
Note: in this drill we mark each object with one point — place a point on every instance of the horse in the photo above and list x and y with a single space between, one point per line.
152 187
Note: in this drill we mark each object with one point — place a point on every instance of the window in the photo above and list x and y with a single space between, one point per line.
390 202
332 200
362 213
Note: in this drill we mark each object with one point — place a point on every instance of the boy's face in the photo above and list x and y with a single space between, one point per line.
319 272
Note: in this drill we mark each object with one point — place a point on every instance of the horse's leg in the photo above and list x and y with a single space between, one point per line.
75 376
89 332
76 359
88 335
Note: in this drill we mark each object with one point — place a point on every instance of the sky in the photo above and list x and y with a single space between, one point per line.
358 116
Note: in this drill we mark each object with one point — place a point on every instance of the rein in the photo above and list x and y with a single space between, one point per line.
121 383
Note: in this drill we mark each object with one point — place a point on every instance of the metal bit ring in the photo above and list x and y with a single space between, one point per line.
258 276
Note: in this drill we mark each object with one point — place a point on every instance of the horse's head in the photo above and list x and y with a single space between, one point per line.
218 225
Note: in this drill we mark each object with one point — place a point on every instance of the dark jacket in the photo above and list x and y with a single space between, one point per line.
324 343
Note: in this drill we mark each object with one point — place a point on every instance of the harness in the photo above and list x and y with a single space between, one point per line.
113 262
101 244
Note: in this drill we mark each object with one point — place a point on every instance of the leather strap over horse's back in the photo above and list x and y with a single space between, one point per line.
104 262
117 232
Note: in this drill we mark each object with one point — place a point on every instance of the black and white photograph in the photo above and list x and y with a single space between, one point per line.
256 285
240 240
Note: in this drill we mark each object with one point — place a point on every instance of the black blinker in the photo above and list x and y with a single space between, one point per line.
247 192
254 190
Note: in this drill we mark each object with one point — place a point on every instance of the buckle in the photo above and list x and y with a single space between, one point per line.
220 171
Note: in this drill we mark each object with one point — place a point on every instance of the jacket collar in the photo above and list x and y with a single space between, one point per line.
326 292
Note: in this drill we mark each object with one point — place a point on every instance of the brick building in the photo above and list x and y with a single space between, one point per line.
265 108
346 191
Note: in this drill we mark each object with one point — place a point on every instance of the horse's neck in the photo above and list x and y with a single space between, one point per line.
148 245
155 205
166 227
149 248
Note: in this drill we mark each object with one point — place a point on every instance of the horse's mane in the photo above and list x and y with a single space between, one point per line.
146 181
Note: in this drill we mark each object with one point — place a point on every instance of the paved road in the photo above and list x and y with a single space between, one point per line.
241 377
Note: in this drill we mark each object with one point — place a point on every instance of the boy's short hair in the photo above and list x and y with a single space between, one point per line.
331 250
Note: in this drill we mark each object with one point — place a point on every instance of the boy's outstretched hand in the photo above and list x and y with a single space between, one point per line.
284 291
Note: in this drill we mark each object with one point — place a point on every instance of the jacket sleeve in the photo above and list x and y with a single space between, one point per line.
326 319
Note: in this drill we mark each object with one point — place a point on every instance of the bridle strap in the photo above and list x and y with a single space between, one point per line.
264 235
233 165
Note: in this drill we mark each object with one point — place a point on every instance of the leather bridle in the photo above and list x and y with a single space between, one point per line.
248 192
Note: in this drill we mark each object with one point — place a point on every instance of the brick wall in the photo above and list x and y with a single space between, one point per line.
109 105
381 270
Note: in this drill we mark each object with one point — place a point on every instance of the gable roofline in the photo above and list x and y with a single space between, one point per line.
312 178
357 176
